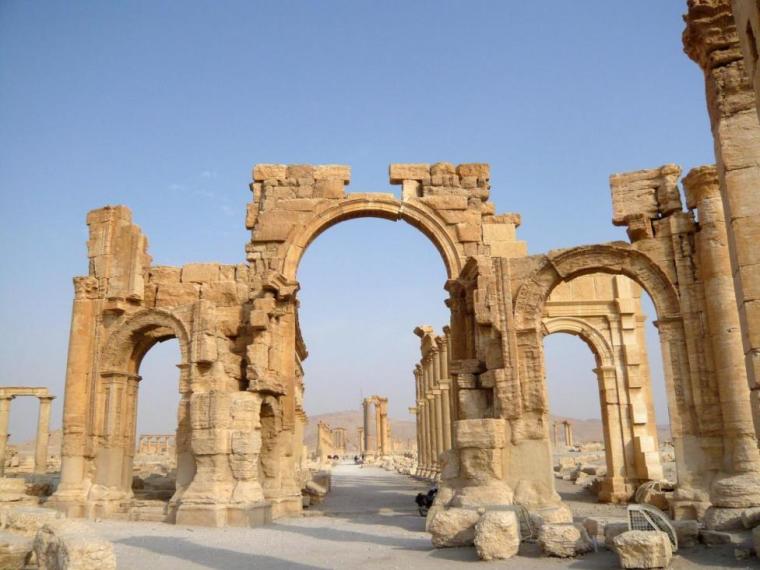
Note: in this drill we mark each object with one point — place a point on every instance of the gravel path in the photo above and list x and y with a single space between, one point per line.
369 521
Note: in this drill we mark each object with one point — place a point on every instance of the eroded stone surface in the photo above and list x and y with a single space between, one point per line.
497 535
642 549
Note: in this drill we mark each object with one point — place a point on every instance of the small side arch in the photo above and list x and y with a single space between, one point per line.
618 259
581 328
127 345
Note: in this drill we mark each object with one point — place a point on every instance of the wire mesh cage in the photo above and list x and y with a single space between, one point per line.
648 519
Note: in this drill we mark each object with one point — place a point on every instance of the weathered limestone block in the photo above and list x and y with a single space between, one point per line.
560 514
200 273
717 518
453 527
15 551
400 172
649 193
263 172
534 495
27 520
564 540
67 545
738 491
643 549
480 433
497 535
482 495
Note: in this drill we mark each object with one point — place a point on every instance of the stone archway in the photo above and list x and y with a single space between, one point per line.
621 259
627 465
115 394
293 204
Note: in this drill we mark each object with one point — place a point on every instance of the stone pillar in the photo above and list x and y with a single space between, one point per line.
361 440
740 443
426 463
711 40
444 382
5 408
43 433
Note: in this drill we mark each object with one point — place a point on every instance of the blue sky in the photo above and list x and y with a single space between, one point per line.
166 106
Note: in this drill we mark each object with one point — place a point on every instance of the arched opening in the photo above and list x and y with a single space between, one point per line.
155 459
359 305
623 261
269 467
165 464
609 444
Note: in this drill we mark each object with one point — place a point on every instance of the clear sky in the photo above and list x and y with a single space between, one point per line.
166 106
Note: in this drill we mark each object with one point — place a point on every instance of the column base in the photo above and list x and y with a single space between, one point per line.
223 516
617 490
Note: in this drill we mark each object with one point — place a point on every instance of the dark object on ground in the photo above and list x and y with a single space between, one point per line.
425 501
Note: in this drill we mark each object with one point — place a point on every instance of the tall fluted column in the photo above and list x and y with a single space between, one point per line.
740 443
445 386
418 418
5 408
430 397
43 433
711 40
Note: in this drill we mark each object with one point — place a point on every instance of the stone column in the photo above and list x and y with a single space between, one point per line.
445 386
5 408
711 40
740 443
418 418
43 433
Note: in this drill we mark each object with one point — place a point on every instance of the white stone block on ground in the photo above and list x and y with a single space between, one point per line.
564 540
453 527
497 535
67 545
643 549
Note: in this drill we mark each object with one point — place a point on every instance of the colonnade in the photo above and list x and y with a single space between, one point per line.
43 423
340 441
375 437
567 433
157 444
435 396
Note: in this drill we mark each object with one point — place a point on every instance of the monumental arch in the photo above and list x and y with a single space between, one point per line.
241 418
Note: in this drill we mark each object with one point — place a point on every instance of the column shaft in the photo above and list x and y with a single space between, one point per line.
43 433
5 408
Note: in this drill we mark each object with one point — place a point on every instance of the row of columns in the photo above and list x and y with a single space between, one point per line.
434 396
43 425
340 441
375 437
566 428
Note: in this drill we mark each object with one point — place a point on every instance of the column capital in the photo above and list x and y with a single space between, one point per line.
701 183
710 37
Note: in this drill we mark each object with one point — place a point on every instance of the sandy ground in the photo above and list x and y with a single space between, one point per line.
368 521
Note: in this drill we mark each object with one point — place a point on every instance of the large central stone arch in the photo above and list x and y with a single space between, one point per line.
376 205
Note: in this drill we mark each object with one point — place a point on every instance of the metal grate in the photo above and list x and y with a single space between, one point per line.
527 532
649 518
